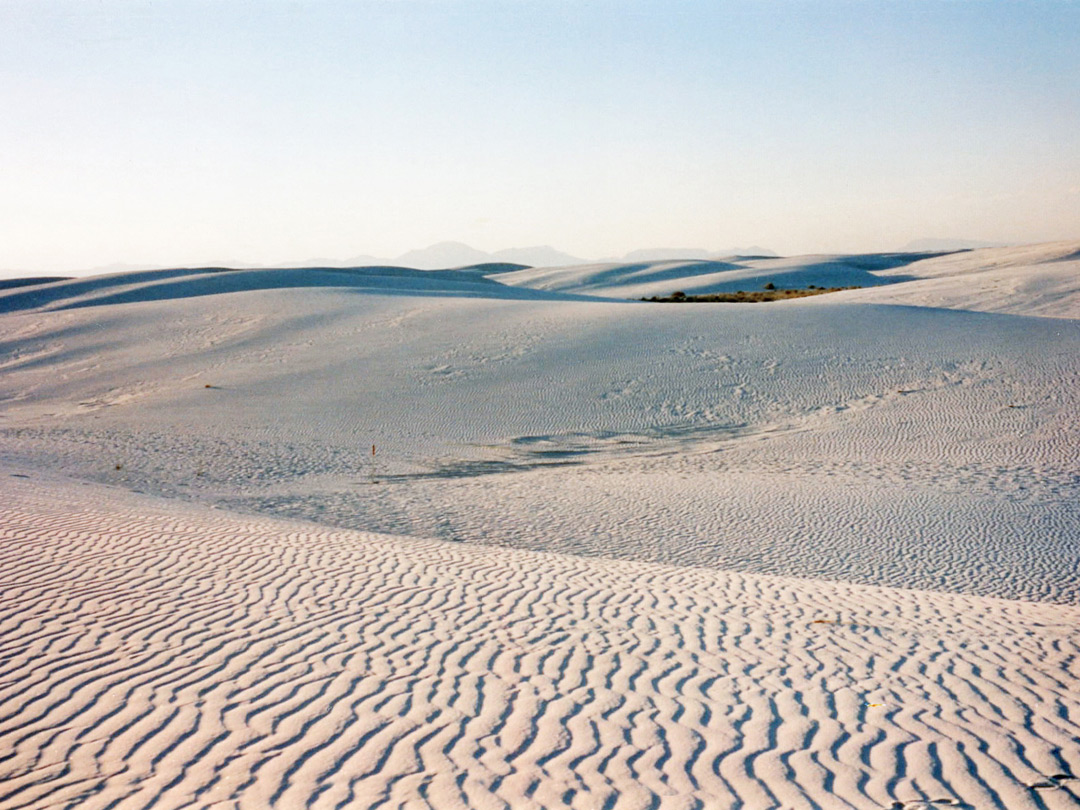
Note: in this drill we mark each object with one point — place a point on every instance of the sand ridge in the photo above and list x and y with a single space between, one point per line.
157 654
607 555
910 446
1041 280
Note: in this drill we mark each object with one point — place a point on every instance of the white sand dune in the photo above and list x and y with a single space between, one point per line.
892 461
169 285
157 655
908 446
648 278
1039 280
1028 280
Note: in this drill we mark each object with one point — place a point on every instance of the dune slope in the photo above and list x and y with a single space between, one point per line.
908 446
554 550
161 655
1041 280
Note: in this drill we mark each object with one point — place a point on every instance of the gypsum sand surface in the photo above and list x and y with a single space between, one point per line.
162 653
824 437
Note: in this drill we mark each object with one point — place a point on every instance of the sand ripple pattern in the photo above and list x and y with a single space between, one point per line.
160 655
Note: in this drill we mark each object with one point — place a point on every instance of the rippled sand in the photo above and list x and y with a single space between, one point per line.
553 549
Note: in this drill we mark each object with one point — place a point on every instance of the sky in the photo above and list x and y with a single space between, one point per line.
172 133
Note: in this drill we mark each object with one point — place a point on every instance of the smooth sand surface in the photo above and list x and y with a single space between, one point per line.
606 554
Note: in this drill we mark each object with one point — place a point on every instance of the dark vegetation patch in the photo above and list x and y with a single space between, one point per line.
770 293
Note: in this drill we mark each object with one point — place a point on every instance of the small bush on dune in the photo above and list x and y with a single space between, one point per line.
770 293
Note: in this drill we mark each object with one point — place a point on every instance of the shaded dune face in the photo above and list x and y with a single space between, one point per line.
159 653
1028 280
497 537
168 285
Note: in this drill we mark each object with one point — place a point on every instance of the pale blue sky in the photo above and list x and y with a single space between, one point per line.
191 132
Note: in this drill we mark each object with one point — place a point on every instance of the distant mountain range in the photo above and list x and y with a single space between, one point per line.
457 254
445 255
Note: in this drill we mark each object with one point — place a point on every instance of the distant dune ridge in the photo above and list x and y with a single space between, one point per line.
933 245
444 255
450 254
501 535
457 254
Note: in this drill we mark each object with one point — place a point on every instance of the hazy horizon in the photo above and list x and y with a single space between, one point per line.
451 254
197 133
